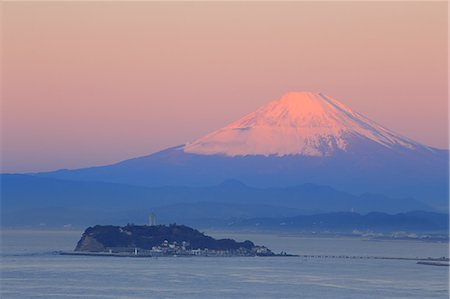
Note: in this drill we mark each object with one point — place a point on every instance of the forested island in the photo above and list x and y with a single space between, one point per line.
161 240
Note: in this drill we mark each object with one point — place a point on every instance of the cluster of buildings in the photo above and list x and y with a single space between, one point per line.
183 249
400 235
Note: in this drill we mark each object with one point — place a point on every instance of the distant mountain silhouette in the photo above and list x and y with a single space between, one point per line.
302 137
412 221
31 200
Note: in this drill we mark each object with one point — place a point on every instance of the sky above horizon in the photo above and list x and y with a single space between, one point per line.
92 83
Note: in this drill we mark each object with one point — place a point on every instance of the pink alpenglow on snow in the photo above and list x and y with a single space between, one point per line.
299 123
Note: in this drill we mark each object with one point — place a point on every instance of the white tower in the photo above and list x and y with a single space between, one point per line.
152 219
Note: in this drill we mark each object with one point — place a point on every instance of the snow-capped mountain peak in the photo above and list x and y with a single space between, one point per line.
299 123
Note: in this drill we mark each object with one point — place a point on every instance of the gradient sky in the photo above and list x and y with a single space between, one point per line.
92 83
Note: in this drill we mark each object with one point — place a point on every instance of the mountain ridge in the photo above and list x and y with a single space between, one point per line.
32 200
378 161
412 221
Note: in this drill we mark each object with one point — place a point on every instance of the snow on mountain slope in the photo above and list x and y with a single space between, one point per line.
299 123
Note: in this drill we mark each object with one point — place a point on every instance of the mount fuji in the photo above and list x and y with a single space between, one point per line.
299 123
302 137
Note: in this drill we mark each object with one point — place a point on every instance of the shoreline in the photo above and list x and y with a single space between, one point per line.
126 254
421 260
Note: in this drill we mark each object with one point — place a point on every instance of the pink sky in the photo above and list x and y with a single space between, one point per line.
93 83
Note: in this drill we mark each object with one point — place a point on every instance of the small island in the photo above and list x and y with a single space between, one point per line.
160 240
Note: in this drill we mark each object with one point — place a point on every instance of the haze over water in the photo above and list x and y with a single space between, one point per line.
29 270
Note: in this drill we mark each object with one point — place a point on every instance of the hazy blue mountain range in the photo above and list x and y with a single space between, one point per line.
345 221
423 178
31 200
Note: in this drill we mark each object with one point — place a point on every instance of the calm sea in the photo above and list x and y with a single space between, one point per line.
30 270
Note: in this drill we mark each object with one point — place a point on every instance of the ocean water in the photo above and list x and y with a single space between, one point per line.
30 270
